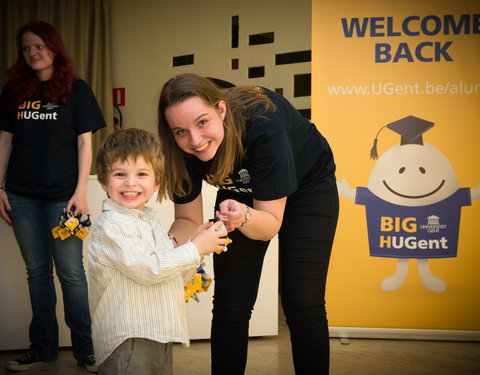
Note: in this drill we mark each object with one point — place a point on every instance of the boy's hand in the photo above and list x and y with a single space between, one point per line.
207 239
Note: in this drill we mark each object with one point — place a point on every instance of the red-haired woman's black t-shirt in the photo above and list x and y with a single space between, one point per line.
44 159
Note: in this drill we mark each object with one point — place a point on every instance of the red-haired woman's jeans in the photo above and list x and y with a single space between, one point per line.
32 223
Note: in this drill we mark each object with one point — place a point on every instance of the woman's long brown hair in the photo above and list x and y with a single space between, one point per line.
242 103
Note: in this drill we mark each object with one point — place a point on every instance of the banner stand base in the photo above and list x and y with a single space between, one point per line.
403 334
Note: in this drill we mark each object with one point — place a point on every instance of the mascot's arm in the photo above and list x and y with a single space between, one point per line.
475 193
345 191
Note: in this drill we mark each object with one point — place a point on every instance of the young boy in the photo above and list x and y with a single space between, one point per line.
136 274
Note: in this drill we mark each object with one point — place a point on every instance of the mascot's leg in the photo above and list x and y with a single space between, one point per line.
395 281
431 282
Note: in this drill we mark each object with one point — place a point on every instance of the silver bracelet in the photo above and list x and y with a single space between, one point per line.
3 188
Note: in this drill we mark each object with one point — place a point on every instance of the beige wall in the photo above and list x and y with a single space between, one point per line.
146 34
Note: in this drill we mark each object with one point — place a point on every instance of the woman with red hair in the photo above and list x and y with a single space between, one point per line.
47 117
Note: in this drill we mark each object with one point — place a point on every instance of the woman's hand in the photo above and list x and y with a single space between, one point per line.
264 221
79 198
79 202
5 151
232 213
5 207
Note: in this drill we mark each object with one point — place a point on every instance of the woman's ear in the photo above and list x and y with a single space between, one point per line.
222 109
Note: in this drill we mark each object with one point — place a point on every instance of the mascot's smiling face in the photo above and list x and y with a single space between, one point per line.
413 175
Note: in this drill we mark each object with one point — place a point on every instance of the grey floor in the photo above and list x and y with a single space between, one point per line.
271 356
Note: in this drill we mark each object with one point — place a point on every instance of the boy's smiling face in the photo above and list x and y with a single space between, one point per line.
131 183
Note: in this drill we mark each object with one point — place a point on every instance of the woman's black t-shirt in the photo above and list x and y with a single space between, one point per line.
285 154
44 159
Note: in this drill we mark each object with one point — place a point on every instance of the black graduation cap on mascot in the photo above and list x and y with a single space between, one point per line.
410 128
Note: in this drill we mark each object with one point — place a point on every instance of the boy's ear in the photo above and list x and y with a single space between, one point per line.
104 187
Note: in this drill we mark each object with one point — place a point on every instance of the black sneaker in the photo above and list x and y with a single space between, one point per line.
89 364
25 362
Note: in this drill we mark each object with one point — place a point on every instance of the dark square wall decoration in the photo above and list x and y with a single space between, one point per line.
235 31
293 57
307 113
263 38
182 60
256 71
302 85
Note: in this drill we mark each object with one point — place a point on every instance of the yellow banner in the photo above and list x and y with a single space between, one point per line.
403 76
